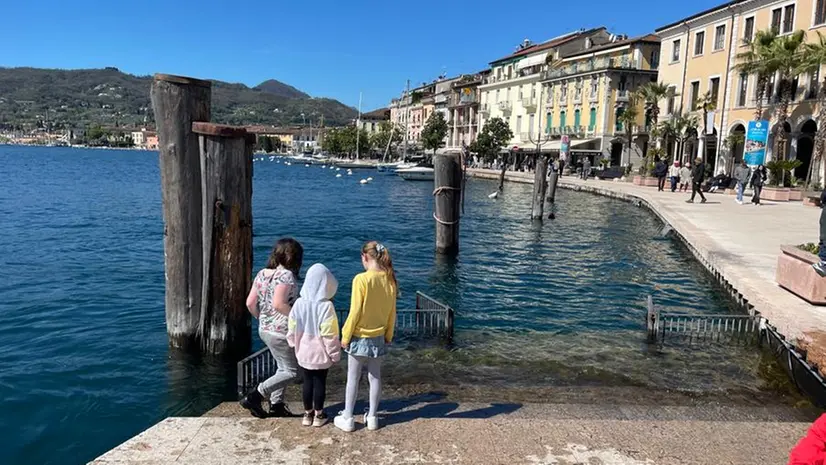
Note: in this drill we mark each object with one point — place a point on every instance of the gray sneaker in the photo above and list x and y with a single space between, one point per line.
820 268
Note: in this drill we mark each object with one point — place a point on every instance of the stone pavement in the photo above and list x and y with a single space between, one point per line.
439 433
741 242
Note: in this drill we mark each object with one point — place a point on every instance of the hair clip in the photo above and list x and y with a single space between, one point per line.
380 248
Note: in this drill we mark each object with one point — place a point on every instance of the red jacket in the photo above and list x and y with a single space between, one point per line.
811 450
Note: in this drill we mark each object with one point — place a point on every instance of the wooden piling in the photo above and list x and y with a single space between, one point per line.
553 181
505 159
178 102
226 182
447 183
540 187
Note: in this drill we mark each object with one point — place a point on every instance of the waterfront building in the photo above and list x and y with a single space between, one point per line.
512 89
138 138
441 101
586 91
463 109
371 121
412 109
151 142
699 56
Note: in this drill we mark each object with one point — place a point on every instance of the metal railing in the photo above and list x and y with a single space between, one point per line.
505 106
596 64
429 319
701 328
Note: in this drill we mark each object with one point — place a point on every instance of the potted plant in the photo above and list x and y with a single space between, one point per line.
796 275
811 198
643 177
775 189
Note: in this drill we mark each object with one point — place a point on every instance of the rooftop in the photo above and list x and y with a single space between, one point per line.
555 42
648 38
701 14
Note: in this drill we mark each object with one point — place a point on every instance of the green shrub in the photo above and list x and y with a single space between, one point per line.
811 247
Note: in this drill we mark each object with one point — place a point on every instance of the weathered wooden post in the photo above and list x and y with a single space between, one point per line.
505 159
177 103
552 183
447 183
540 186
652 320
226 182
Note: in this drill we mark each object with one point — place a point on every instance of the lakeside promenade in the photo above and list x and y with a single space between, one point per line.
741 242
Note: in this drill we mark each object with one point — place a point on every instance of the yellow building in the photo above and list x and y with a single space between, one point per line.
586 91
699 56
512 90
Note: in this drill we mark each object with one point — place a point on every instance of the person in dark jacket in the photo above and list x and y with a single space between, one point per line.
758 178
698 175
660 171
820 267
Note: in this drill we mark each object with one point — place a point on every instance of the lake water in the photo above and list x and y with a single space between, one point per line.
84 362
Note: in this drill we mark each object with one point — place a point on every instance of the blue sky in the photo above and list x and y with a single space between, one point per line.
323 47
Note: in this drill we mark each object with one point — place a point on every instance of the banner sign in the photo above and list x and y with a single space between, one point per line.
564 148
757 137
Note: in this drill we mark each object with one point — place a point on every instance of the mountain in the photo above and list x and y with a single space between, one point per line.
31 97
279 88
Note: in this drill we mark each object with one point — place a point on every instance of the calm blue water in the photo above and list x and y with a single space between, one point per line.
84 362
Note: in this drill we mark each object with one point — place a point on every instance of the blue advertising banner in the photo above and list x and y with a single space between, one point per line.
757 137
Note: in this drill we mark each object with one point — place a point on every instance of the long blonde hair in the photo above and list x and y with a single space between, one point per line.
381 255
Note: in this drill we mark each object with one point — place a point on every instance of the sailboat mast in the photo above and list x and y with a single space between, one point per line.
358 128
406 115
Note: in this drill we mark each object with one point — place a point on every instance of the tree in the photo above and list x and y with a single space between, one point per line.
495 135
786 56
651 94
756 60
434 132
628 119
265 144
387 133
332 142
814 55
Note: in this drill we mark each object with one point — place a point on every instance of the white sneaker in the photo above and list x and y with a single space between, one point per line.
345 424
371 422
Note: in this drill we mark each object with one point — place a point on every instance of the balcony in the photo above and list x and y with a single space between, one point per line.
623 95
505 106
549 102
593 96
563 99
529 103
459 100
484 109
642 129
597 64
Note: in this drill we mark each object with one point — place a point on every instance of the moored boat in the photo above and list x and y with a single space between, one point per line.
417 173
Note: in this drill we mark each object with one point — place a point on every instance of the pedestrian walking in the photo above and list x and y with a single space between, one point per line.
586 168
758 178
698 175
674 174
660 172
741 175
685 177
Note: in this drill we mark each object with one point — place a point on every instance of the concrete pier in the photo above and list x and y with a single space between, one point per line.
740 243
447 433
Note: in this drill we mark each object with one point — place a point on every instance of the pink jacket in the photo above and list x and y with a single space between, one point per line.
313 326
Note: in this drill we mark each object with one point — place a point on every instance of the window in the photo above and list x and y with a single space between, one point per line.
562 120
508 94
618 123
743 90
714 87
549 121
748 30
770 89
623 83
594 87
777 18
788 19
820 12
814 82
497 95
520 92
671 99
564 91
530 125
675 51
654 59
592 120
795 86
577 118
694 95
518 124
720 37
699 43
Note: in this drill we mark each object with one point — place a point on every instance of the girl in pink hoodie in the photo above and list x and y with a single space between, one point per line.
313 331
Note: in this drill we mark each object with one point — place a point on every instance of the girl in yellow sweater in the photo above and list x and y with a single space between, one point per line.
368 330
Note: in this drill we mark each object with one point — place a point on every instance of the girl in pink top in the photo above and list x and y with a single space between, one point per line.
313 332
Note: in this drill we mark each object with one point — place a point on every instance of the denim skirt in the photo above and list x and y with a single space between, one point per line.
373 347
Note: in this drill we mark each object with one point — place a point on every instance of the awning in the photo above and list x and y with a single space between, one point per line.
532 60
556 145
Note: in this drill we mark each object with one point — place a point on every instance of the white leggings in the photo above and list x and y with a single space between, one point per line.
355 365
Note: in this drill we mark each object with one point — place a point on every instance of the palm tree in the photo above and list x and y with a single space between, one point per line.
756 60
668 130
628 119
651 94
786 57
814 55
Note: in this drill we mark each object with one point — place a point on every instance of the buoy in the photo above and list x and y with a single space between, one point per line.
323 166
332 167
338 175
349 173
494 195
369 179
363 181
306 165
338 169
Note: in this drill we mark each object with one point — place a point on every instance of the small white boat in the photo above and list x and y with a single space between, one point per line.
393 167
418 173
355 165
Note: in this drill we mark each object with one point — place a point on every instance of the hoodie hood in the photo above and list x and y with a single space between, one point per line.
319 284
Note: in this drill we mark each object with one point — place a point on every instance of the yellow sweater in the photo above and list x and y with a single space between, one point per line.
372 307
